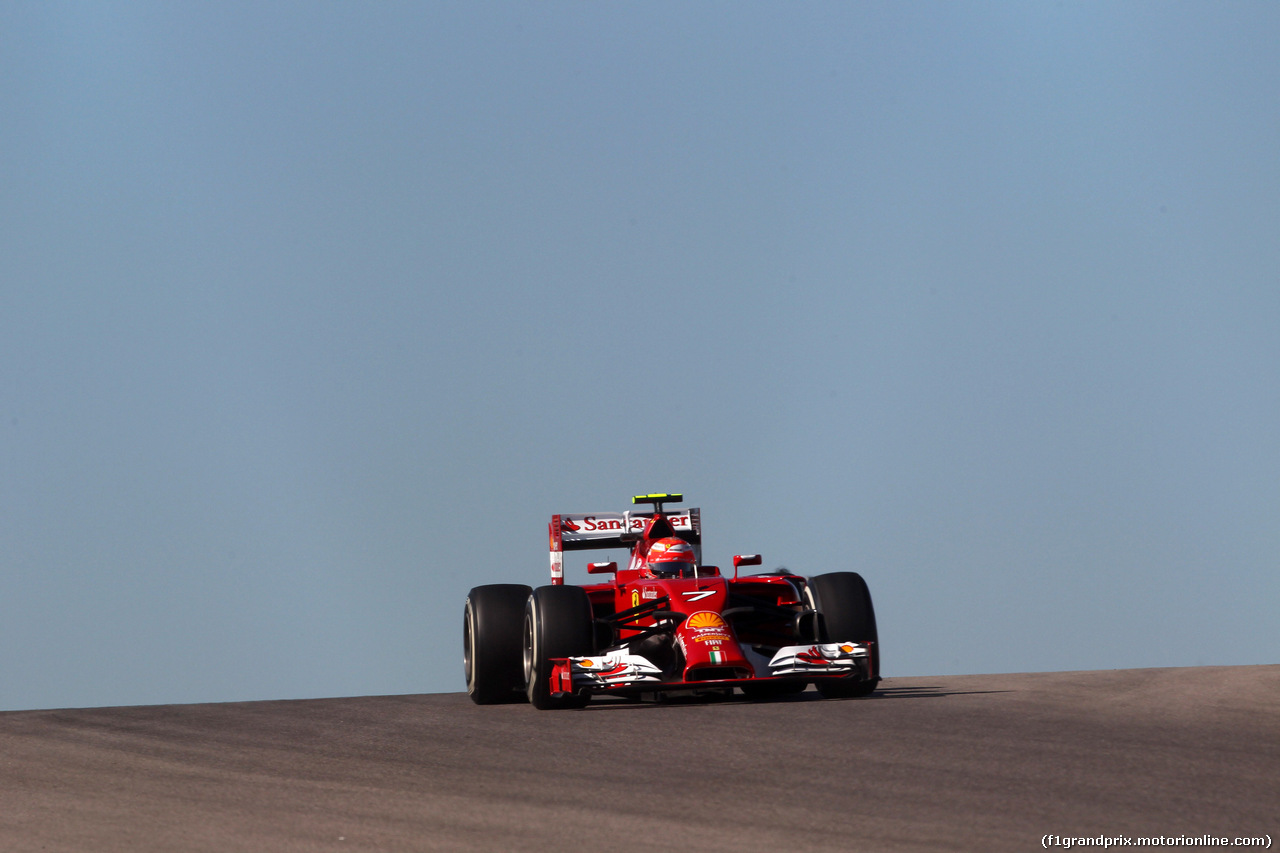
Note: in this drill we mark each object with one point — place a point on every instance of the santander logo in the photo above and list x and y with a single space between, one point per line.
592 523
595 524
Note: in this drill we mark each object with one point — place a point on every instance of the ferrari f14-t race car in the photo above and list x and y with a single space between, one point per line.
665 623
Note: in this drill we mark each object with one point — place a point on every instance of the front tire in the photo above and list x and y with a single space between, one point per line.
557 624
491 643
847 614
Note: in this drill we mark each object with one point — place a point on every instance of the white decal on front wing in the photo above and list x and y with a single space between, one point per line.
817 657
612 668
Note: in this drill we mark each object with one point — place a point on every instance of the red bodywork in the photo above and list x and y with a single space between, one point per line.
724 628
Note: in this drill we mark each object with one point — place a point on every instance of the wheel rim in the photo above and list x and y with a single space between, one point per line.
529 638
468 647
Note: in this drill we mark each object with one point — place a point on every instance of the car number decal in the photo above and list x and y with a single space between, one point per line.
698 595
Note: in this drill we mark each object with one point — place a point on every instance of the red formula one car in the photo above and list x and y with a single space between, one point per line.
666 622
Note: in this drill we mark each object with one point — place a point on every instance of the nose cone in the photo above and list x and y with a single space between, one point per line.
711 652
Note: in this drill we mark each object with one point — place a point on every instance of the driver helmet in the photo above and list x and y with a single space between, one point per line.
670 558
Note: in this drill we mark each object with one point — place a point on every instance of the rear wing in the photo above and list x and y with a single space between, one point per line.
598 531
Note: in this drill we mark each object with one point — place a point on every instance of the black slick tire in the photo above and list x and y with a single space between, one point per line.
557 624
847 614
493 619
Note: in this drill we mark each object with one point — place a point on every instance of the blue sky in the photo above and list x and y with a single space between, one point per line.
312 314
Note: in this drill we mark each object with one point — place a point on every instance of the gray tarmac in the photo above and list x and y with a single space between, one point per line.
978 762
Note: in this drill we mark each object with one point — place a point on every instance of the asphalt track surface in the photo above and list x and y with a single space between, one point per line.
980 762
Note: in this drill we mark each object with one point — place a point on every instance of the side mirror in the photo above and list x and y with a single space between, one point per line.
745 560
602 568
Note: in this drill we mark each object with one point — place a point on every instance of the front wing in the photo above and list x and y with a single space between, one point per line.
621 672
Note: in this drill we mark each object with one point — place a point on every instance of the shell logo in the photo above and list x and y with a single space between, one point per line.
847 649
706 619
587 664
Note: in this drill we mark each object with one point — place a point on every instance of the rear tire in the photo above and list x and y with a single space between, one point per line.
557 624
491 643
847 614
